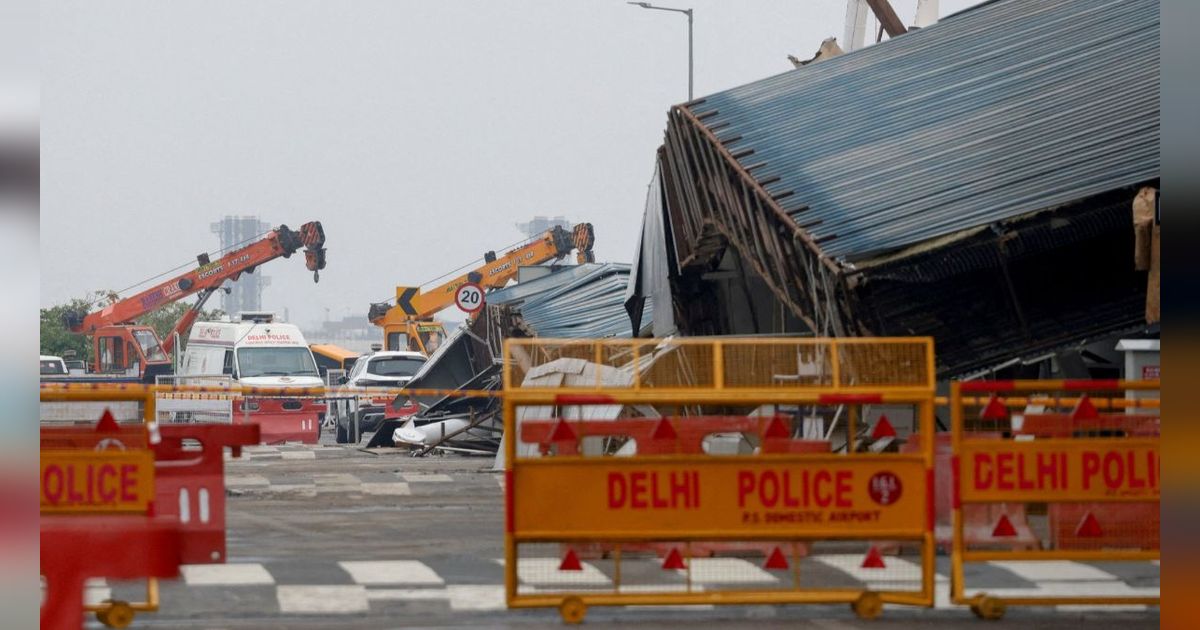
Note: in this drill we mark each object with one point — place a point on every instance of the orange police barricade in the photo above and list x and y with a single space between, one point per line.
97 497
1057 482
186 481
718 471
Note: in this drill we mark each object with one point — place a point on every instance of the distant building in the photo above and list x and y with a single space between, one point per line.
246 293
540 224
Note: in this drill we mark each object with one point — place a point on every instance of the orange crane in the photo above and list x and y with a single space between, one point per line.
408 324
119 345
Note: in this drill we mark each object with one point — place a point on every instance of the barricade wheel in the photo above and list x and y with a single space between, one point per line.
989 608
118 615
572 610
868 605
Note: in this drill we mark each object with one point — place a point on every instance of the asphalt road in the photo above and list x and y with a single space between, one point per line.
330 536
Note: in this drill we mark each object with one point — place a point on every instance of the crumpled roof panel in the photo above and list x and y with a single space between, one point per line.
993 113
580 301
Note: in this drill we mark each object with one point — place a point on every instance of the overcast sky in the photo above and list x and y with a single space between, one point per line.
418 133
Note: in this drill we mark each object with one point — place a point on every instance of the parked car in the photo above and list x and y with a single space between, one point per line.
391 368
376 371
52 365
76 366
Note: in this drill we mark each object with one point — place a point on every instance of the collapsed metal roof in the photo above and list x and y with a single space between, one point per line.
579 301
971 181
992 113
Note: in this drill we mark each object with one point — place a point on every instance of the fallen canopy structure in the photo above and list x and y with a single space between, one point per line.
972 181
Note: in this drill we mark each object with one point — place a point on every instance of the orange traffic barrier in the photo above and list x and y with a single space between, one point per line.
730 471
1071 475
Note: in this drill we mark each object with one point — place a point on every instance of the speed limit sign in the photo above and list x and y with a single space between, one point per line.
469 297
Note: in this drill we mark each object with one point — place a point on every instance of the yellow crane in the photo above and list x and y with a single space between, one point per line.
408 322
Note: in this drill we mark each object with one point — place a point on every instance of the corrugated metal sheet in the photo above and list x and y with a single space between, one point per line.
581 301
998 111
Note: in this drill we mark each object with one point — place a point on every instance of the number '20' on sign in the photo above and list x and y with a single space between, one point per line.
469 297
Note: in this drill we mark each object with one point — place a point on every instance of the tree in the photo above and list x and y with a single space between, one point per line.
57 339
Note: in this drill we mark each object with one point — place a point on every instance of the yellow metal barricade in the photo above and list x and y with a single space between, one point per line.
1049 471
718 471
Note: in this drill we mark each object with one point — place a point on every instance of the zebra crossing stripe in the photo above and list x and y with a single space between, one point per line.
241 573
408 572
343 598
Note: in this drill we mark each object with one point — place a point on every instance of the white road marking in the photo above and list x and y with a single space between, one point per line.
406 594
226 574
426 477
246 480
544 572
322 599
336 479
93 595
476 597
304 489
660 588
1113 608
347 489
398 488
299 455
727 571
411 572
259 449
665 588
1053 570
895 569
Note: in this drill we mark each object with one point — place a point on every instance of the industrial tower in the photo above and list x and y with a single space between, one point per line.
246 293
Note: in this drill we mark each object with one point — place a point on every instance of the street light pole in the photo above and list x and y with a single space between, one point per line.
688 13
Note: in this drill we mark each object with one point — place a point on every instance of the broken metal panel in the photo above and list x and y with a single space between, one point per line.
650 280
992 113
580 301
456 362
1068 271
933 184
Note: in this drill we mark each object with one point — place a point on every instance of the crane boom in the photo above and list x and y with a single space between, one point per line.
209 276
120 346
412 309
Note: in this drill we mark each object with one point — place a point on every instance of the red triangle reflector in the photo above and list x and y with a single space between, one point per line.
570 562
664 431
776 429
883 429
1089 527
874 559
674 560
1084 409
995 409
776 560
107 424
562 432
1004 527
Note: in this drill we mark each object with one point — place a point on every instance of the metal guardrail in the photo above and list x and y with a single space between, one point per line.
612 467
1061 480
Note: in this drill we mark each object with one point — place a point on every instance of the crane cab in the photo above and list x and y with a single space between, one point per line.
129 351
414 336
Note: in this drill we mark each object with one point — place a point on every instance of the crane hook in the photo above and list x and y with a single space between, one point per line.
316 276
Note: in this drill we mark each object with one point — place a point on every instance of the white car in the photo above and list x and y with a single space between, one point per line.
52 365
380 369
388 368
